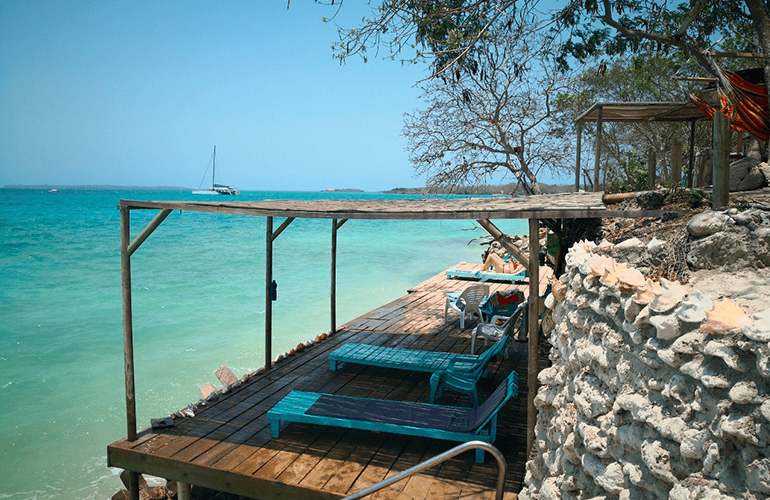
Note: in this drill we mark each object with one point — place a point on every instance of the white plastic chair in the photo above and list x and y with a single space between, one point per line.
466 303
497 328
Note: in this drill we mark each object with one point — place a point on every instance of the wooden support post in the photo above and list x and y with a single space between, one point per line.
128 340
334 278
128 328
532 327
498 235
577 155
651 168
268 293
184 491
676 162
270 238
598 152
720 175
691 167
335 226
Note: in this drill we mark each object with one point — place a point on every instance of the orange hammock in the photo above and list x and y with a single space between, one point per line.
744 103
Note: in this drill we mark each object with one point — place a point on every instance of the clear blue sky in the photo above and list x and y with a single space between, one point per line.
138 93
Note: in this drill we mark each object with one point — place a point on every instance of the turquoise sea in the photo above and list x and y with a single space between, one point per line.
198 303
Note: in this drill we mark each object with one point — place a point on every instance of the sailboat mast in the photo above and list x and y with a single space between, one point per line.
214 168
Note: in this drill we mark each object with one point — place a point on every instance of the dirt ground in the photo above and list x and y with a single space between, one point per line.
748 287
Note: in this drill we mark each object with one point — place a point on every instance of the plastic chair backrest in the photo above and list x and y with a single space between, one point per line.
472 297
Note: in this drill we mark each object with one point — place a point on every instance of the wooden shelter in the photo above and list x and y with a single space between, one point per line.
483 210
655 111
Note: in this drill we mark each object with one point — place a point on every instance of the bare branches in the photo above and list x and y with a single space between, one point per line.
492 119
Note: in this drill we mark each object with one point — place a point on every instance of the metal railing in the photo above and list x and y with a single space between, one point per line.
470 445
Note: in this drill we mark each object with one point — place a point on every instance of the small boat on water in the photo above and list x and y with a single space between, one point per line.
216 188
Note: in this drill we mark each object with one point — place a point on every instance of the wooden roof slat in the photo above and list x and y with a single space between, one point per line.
554 206
643 111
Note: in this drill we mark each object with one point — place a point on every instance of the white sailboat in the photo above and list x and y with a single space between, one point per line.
216 188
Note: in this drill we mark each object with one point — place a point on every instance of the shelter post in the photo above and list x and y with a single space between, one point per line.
720 173
532 327
577 155
333 293
128 340
128 328
652 161
335 226
691 167
676 162
598 152
268 291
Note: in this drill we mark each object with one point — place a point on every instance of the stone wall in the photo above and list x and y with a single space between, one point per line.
655 391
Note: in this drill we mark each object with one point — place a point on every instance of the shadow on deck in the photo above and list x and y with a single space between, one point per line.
227 445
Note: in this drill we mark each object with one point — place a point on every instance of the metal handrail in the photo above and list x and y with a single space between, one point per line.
437 460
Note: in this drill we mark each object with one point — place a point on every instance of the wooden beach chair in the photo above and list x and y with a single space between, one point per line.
397 417
412 359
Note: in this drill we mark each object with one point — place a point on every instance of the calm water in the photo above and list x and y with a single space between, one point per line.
198 302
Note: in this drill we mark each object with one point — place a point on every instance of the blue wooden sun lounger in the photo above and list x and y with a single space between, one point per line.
412 359
397 417
486 275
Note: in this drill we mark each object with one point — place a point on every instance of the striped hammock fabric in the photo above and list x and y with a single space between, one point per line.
745 103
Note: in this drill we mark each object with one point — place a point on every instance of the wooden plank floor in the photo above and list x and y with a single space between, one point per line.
227 445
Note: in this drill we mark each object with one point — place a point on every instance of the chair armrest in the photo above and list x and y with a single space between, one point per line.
493 321
452 366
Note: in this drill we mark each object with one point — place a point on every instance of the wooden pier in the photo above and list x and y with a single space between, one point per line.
227 445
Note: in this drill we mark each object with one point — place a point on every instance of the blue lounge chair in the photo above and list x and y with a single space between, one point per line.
487 275
464 380
397 417
411 359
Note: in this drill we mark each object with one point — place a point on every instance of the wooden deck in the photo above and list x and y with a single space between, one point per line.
227 445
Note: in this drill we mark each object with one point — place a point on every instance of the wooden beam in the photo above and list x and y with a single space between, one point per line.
184 491
335 226
532 328
280 229
720 176
154 223
651 167
598 151
128 340
333 292
128 329
268 291
577 155
691 166
498 235
676 162
270 237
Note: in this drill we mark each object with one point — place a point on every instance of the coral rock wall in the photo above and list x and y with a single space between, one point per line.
655 391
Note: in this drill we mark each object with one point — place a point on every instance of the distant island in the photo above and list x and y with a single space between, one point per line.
343 190
507 189
96 187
